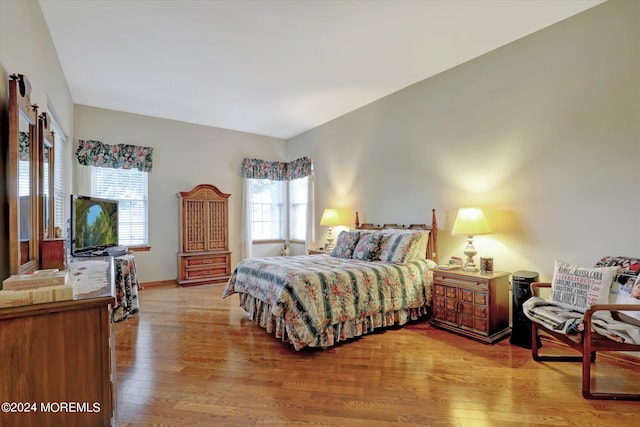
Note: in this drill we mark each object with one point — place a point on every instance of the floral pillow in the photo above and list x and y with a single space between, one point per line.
345 244
368 247
421 247
399 248
578 288
419 250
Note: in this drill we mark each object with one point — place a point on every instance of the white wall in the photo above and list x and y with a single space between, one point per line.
184 156
26 48
543 134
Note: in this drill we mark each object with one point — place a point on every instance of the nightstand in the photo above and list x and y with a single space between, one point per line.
317 252
473 304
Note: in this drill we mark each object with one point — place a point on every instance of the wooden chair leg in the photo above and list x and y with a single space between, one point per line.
587 359
535 350
586 374
534 341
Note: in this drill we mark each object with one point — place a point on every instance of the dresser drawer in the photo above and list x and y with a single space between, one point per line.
204 268
206 261
460 281
207 272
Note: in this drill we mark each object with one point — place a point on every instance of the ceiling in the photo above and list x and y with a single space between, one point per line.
274 68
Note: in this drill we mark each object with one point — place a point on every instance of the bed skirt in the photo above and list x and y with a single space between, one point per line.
261 313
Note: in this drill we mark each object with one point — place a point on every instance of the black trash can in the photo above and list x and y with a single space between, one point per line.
521 325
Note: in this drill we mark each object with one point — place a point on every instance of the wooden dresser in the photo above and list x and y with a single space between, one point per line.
204 255
58 364
472 304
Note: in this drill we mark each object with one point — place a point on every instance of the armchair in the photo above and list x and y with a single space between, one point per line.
591 343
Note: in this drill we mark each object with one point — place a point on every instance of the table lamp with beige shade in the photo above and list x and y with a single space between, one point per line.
470 222
331 218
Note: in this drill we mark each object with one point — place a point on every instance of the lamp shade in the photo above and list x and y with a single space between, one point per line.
470 222
331 217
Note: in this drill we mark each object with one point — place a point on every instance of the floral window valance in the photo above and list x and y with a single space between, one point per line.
276 171
118 156
24 146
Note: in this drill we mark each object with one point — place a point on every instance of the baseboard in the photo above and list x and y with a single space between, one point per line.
159 283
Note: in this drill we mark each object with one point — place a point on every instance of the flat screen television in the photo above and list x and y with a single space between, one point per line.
93 224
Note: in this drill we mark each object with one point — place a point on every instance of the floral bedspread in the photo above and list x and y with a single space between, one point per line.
317 300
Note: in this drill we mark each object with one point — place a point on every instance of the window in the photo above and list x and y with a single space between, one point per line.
24 178
59 196
298 189
278 209
129 187
267 209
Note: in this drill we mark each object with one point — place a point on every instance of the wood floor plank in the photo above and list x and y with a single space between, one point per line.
194 359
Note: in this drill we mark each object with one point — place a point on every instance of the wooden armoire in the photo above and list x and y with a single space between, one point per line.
203 255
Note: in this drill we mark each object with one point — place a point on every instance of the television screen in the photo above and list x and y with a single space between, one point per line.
94 223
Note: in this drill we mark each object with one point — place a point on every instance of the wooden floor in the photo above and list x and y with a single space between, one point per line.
194 359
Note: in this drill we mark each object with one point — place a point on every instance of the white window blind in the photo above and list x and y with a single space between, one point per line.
45 190
129 187
60 198
298 189
24 180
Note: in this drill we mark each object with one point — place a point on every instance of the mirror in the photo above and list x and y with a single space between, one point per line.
46 184
24 188
22 173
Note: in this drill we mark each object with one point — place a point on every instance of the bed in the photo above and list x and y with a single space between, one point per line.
376 276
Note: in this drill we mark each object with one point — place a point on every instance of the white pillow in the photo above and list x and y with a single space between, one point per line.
578 288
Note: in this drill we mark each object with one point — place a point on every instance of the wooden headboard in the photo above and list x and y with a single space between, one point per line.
432 244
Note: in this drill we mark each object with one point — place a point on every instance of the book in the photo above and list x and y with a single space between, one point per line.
37 279
449 267
20 297
14 298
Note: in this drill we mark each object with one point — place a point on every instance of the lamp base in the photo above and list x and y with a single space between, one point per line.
329 246
470 251
330 239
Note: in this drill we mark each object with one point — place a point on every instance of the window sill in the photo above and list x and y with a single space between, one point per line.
273 241
139 248
267 242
